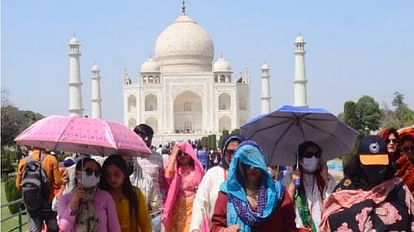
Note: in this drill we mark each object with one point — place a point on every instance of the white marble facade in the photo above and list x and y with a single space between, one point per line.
181 92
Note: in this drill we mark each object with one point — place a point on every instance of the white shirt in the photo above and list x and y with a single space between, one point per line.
313 196
206 196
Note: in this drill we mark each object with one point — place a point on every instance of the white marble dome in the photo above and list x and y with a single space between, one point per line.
299 39
265 67
184 45
95 67
150 66
74 41
221 65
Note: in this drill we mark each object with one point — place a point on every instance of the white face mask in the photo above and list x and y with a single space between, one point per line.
89 181
310 164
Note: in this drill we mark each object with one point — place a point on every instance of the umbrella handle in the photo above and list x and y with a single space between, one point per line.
297 183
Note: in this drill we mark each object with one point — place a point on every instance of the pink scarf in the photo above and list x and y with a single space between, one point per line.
176 181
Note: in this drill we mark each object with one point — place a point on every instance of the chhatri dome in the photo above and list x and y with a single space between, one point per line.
221 65
95 67
184 45
300 39
74 41
150 66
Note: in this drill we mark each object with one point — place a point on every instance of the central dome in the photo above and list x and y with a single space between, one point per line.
184 45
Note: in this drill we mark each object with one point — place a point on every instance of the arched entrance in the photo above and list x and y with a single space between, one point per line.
187 113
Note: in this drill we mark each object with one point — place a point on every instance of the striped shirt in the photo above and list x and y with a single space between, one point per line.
152 165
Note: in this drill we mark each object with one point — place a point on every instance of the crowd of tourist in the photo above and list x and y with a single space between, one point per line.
193 189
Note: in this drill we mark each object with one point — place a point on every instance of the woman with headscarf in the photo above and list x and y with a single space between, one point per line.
183 174
249 200
207 192
369 198
405 164
315 184
86 207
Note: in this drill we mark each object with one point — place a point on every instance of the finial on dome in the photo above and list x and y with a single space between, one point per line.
221 54
183 7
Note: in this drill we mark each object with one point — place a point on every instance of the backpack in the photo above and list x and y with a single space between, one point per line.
35 186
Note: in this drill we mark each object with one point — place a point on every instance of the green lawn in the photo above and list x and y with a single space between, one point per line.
7 225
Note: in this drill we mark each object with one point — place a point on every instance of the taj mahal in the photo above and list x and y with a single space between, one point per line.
183 92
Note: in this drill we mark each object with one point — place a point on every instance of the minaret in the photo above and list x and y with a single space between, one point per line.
75 84
127 79
265 99
300 75
96 92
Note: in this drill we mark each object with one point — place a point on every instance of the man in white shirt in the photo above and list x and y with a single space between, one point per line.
206 197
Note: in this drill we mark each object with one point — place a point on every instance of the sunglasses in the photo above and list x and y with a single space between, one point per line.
311 154
90 172
391 140
407 149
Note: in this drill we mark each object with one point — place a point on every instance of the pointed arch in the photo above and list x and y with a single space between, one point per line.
151 102
132 103
187 112
224 101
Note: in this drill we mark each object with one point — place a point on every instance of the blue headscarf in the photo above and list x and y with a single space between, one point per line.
270 192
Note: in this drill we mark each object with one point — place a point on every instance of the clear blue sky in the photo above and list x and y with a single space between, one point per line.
354 48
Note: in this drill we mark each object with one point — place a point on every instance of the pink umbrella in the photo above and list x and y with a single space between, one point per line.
83 135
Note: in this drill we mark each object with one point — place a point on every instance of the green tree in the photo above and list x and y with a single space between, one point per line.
388 118
368 113
403 114
212 141
12 194
13 120
350 115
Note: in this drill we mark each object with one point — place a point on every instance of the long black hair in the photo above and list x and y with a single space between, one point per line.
127 188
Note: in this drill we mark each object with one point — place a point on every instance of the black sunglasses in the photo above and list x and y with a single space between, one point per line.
407 149
391 140
310 154
90 172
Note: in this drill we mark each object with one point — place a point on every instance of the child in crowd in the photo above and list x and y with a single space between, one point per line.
130 202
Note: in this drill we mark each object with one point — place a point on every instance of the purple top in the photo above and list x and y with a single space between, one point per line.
105 211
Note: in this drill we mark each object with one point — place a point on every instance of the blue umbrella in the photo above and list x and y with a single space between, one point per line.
280 132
